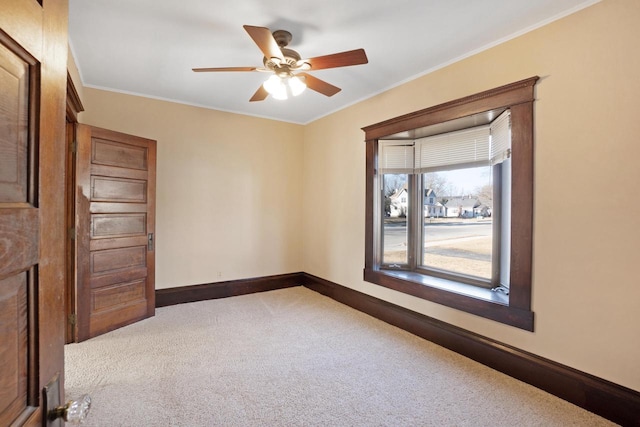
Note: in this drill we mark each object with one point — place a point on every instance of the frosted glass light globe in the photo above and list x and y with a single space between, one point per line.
276 87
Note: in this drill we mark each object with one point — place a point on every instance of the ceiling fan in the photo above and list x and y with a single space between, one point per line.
288 66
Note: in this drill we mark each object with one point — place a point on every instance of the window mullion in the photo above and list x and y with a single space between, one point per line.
413 224
496 220
379 239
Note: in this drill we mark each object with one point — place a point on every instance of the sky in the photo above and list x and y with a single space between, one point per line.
467 180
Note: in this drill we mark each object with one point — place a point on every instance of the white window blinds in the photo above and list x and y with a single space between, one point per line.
464 148
501 138
395 157
482 145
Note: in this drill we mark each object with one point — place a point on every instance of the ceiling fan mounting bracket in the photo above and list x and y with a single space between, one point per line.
282 37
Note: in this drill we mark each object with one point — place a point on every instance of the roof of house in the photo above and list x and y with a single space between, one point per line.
398 192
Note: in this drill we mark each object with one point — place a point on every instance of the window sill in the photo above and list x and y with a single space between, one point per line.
468 298
450 286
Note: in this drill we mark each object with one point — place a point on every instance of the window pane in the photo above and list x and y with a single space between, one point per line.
457 234
395 213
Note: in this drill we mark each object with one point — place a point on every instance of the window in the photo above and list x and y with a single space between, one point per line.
460 167
449 203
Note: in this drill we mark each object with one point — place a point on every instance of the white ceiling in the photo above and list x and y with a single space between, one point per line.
148 47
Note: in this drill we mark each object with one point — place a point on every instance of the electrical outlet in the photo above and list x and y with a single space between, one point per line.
219 273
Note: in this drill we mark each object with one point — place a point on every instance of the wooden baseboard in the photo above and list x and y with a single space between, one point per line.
207 291
609 400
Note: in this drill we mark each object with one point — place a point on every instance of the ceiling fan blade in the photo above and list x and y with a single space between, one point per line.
260 95
318 85
207 70
342 59
264 39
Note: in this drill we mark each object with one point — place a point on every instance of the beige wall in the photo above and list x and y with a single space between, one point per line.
586 288
229 192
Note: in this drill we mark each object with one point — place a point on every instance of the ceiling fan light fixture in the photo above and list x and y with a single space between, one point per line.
281 87
297 85
276 87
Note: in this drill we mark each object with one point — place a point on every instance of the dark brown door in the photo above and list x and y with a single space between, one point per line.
115 223
33 46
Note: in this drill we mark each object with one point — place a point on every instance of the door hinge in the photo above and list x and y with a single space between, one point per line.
72 233
72 319
74 147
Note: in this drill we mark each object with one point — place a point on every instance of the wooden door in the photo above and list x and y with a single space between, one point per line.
33 52
115 223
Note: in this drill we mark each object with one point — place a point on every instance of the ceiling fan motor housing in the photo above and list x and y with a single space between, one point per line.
291 58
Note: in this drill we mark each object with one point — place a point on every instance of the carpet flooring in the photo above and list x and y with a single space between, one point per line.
293 357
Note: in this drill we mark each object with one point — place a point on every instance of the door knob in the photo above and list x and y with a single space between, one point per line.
74 412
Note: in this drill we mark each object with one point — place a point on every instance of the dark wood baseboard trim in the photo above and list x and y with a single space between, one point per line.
609 400
207 291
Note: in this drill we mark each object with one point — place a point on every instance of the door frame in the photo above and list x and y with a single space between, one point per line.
74 107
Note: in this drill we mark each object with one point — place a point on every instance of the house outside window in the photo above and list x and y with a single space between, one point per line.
463 237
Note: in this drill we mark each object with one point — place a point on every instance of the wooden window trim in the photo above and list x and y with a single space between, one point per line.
514 310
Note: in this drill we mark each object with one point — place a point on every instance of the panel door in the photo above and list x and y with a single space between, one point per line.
33 48
115 223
